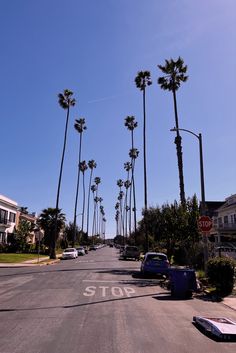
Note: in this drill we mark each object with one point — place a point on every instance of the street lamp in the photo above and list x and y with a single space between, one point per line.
203 205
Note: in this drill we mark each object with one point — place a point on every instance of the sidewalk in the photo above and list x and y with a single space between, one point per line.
230 302
31 263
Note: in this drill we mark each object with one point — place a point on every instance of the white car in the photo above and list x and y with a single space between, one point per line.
69 253
80 251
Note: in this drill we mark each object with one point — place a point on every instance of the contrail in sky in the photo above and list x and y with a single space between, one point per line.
102 99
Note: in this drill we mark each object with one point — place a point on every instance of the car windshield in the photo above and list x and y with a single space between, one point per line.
69 250
131 248
156 257
80 248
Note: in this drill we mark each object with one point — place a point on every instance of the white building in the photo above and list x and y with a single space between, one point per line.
224 221
8 216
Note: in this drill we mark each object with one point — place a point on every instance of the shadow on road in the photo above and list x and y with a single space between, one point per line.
2 310
168 297
49 270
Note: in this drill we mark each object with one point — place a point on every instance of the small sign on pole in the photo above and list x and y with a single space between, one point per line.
204 224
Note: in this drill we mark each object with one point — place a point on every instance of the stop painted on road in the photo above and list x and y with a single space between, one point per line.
108 291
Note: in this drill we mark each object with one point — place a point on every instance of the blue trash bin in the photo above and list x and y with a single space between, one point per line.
182 282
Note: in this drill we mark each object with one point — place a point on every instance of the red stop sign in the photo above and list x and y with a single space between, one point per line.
205 223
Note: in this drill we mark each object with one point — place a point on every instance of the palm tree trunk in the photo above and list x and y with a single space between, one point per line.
144 151
94 217
134 198
130 201
83 205
179 153
145 170
54 238
77 191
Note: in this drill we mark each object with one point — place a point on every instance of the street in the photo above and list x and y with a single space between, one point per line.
97 303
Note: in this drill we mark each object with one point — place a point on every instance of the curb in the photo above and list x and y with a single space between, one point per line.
32 264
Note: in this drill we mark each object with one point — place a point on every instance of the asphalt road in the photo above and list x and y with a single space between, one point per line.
97 304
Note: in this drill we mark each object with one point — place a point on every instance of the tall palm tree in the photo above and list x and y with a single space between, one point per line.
174 75
127 185
98 215
65 101
120 183
92 165
95 219
142 80
102 214
117 221
83 167
93 189
97 181
131 124
104 228
133 153
79 127
117 206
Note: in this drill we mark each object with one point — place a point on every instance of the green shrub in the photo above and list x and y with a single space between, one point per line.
3 248
220 272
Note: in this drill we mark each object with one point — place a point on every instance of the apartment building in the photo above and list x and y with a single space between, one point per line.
8 216
224 221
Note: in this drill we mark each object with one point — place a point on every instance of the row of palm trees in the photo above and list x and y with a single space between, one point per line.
127 198
174 74
66 101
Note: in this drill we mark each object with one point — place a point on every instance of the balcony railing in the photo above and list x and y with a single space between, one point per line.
226 226
5 222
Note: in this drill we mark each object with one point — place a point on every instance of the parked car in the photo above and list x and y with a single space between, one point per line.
155 263
226 251
69 253
122 248
86 249
131 252
80 251
92 247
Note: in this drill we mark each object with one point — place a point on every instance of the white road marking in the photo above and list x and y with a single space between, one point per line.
105 291
85 261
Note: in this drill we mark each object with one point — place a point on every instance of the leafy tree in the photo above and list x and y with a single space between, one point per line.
69 233
79 127
66 101
23 234
174 75
173 227
46 222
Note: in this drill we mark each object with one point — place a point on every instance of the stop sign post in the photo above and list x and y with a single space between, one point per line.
205 224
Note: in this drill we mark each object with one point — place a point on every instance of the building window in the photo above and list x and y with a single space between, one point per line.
3 216
2 237
226 221
219 221
12 217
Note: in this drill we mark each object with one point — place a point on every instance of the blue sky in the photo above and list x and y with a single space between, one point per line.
95 48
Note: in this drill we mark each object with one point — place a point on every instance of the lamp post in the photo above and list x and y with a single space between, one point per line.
203 206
